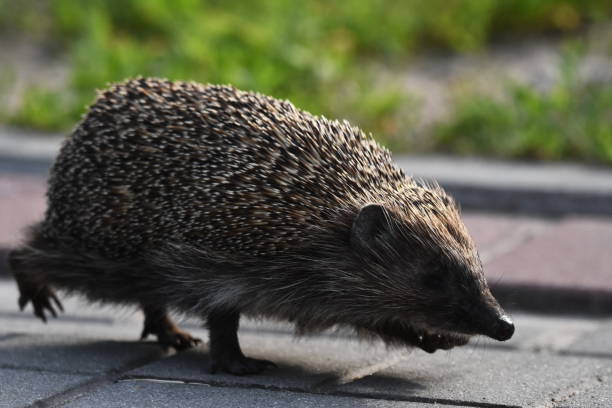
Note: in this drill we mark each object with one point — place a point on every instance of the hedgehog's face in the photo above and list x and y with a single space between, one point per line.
432 289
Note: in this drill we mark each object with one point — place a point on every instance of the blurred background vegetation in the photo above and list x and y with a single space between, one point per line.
347 59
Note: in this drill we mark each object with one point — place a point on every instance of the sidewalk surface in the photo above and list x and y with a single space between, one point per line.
558 266
90 357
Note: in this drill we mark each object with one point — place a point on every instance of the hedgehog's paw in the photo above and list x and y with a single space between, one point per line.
33 286
430 342
178 339
169 335
43 299
239 365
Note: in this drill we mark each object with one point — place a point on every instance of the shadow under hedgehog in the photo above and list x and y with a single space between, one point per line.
216 202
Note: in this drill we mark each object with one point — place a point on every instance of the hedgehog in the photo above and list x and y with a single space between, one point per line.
215 202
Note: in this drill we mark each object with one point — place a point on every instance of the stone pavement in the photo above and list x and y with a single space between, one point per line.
90 357
552 272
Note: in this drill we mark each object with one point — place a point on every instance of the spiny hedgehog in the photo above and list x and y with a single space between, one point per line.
217 202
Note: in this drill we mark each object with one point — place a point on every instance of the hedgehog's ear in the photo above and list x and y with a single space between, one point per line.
370 222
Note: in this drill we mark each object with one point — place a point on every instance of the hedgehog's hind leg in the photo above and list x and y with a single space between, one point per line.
33 285
168 334
225 352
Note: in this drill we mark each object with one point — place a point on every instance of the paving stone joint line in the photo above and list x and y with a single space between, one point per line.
313 391
80 390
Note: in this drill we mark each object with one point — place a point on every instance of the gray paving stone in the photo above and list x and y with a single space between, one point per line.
72 354
596 393
150 394
539 333
488 376
22 387
301 363
567 177
595 343
29 143
551 189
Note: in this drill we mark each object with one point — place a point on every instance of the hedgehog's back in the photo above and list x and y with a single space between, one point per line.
156 161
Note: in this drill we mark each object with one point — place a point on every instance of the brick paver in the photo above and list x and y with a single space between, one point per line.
577 253
496 235
22 202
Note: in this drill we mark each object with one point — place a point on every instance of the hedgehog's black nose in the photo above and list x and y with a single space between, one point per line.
504 329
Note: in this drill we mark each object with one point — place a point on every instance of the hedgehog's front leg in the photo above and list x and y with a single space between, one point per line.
168 334
225 352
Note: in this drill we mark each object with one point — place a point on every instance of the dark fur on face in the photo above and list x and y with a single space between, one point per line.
435 294
421 273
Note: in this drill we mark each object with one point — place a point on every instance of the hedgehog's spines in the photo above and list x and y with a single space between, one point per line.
155 160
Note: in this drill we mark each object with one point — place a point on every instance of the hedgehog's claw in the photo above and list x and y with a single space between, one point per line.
42 298
178 339
168 334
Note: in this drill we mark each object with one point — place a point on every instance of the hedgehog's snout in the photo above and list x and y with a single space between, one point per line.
494 322
503 329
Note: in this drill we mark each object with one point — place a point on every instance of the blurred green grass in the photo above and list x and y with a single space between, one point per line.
573 120
320 55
